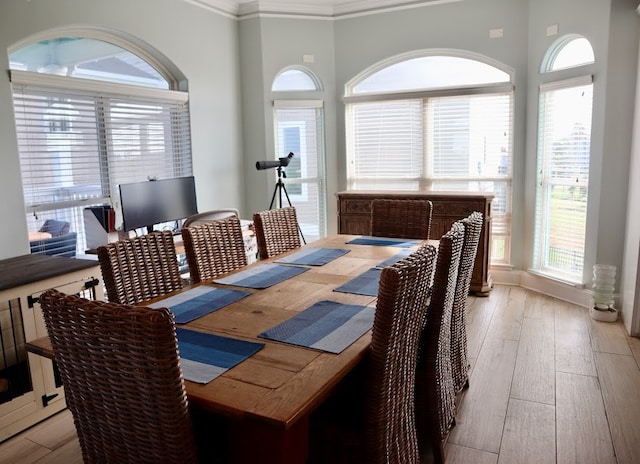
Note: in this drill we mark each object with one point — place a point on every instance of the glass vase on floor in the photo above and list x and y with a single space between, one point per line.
604 282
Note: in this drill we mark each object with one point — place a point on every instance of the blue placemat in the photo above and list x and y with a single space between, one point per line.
384 241
327 325
262 276
198 301
365 284
204 357
395 258
310 256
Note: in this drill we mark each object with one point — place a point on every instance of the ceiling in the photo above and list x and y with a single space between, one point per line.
309 8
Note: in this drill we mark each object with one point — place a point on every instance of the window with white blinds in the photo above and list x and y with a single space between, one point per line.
437 142
386 145
298 126
564 146
79 139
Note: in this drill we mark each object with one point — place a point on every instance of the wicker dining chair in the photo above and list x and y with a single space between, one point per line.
401 218
214 248
277 231
397 327
138 269
372 418
459 359
122 380
435 393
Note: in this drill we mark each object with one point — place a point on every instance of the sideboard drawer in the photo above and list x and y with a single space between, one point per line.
356 207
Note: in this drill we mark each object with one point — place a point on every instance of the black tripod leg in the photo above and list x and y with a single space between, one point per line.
273 197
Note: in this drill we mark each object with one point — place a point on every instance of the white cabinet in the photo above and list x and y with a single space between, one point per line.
30 389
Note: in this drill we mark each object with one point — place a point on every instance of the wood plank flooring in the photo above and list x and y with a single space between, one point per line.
568 392
548 385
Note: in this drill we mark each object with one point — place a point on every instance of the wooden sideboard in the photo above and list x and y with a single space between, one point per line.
354 217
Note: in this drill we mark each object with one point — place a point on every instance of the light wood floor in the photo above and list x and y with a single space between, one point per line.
548 385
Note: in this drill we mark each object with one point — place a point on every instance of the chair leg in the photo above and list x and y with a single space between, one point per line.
436 444
438 453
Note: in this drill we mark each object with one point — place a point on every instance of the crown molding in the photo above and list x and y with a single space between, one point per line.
261 7
366 7
239 10
228 8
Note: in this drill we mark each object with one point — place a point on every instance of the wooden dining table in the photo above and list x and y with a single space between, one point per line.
268 398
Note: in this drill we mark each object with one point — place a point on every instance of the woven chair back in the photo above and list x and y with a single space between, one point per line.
435 394
401 218
208 216
277 231
459 358
214 248
399 319
138 269
122 380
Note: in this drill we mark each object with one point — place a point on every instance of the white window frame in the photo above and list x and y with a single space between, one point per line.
305 182
542 237
578 68
71 208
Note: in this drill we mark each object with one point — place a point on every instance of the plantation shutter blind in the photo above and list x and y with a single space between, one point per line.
93 141
79 139
564 145
387 144
468 138
469 149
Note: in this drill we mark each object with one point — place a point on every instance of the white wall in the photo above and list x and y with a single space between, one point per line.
630 287
201 44
283 42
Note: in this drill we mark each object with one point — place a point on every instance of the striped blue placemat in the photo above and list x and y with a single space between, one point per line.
384 241
198 301
310 256
327 326
262 275
395 258
204 357
365 284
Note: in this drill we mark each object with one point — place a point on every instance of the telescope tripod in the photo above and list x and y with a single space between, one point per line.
279 189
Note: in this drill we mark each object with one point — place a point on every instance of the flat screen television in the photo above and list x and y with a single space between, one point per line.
145 204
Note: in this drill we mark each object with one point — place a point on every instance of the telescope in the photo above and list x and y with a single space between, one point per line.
282 162
279 187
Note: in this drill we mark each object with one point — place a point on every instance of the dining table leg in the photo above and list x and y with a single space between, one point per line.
256 441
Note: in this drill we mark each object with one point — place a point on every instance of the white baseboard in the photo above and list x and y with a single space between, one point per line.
546 286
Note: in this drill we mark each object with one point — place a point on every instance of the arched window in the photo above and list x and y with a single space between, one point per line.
428 73
563 158
295 79
434 120
91 114
88 58
568 52
299 129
